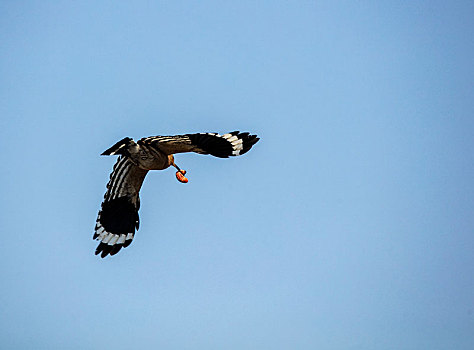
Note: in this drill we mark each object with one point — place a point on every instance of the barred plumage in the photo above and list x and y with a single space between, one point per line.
222 146
118 217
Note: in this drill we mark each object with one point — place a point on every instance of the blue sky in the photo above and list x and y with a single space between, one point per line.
348 226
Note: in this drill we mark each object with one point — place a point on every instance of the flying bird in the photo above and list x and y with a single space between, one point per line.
118 216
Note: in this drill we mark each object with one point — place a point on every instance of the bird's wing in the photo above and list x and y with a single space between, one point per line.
222 146
118 216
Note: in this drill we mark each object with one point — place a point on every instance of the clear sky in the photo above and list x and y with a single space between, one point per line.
350 225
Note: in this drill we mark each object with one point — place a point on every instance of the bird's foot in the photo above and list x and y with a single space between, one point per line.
180 176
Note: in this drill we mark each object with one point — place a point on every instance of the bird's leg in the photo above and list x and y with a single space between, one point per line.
180 174
176 166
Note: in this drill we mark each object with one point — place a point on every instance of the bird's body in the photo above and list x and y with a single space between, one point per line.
118 217
145 157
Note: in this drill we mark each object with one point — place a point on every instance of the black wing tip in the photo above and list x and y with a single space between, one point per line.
104 249
220 146
246 136
118 216
248 141
116 248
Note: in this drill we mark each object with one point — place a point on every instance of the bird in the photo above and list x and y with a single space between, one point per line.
118 218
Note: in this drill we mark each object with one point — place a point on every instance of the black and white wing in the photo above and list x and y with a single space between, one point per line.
118 216
222 146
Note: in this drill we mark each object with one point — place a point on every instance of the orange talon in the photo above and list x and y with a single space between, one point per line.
180 176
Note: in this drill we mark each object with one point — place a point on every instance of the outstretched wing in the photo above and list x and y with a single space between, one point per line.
118 216
222 146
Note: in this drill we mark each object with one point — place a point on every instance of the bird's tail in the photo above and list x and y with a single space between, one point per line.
120 147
